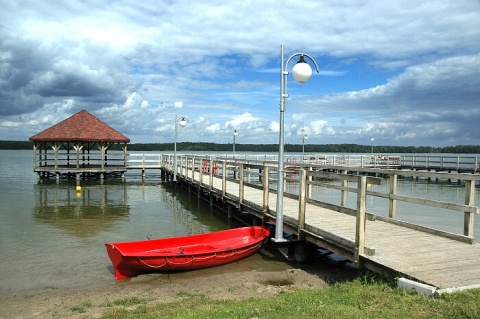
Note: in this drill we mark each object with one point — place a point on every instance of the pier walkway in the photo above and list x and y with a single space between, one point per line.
384 245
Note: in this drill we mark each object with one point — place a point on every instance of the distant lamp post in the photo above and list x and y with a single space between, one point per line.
305 136
302 72
372 140
235 134
182 121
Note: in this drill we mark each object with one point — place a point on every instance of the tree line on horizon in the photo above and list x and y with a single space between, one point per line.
268 148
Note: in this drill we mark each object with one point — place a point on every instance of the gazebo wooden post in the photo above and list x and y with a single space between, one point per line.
103 151
124 148
55 148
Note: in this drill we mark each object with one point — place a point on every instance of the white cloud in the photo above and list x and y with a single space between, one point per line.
214 128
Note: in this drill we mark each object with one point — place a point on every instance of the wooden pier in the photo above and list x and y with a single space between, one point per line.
384 245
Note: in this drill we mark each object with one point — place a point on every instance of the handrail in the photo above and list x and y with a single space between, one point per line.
413 162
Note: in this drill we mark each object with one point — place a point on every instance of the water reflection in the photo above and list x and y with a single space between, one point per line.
193 215
80 213
53 237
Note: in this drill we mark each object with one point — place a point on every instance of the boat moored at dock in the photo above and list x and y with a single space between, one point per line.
130 259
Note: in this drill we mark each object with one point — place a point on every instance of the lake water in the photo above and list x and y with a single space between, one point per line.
52 237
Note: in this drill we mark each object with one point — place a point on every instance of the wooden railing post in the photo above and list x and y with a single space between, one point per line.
392 203
302 204
179 165
360 223
309 185
266 188
343 192
240 184
469 200
224 178
210 168
194 160
182 167
200 170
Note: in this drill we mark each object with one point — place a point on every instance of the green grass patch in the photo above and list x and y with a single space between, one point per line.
364 297
186 294
81 308
126 302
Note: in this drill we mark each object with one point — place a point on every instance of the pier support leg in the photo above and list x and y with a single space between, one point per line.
290 252
300 252
212 200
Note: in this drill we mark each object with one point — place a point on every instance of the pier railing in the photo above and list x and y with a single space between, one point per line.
71 159
463 164
300 178
441 163
145 161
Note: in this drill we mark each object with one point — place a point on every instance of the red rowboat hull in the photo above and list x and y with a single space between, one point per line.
130 259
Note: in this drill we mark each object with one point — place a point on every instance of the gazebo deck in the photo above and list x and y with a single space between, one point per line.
81 169
67 171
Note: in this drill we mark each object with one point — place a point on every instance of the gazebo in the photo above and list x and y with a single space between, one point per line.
79 146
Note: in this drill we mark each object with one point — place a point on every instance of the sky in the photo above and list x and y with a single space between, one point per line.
403 73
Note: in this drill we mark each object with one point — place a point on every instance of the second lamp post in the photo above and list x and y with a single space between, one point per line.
235 134
305 136
182 121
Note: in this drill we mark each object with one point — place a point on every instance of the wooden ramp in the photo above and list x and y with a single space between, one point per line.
389 248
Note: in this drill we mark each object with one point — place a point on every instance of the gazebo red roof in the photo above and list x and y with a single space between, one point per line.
80 127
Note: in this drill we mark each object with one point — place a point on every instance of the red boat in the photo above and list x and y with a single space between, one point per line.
130 259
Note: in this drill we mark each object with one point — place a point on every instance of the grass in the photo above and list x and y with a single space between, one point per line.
364 297
126 302
81 308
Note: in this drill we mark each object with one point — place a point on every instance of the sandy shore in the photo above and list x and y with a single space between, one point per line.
156 288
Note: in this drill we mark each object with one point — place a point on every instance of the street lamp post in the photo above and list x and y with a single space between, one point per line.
372 140
235 133
302 72
182 121
305 136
